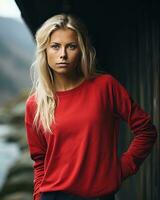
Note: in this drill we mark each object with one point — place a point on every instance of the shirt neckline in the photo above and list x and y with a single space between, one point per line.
70 91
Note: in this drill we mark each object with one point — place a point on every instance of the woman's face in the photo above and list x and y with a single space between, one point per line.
63 51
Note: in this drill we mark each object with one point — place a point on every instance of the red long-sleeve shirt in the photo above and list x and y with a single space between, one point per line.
81 156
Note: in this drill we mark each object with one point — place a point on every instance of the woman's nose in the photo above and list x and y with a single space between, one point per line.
63 53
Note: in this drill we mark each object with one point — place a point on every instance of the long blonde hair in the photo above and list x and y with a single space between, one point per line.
43 84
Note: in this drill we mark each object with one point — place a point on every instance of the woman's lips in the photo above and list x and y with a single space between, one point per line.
62 64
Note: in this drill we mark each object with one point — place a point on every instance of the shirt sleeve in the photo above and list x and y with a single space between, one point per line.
37 149
139 123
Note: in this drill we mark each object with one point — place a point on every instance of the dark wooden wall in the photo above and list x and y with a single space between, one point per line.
126 35
135 60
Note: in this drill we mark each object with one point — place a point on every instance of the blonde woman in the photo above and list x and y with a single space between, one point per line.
72 119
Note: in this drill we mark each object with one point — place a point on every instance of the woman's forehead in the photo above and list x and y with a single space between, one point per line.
65 34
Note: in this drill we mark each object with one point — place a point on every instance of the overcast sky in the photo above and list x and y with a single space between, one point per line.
8 8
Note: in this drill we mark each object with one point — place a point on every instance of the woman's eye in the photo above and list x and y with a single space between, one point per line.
55 46
72 46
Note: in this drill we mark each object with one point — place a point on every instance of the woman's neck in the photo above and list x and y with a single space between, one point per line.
63 83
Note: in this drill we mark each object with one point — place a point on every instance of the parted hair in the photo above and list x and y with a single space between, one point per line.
43 76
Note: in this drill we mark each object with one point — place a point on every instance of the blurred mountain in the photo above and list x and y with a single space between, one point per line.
16 56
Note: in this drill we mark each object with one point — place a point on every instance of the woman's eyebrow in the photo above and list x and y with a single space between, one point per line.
52 42
72 42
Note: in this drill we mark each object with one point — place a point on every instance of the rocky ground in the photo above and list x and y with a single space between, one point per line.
19 182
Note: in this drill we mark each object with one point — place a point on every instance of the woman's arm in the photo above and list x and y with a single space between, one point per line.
140 124
37 149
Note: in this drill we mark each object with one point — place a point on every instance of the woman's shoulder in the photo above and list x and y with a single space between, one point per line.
103 77
31 100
